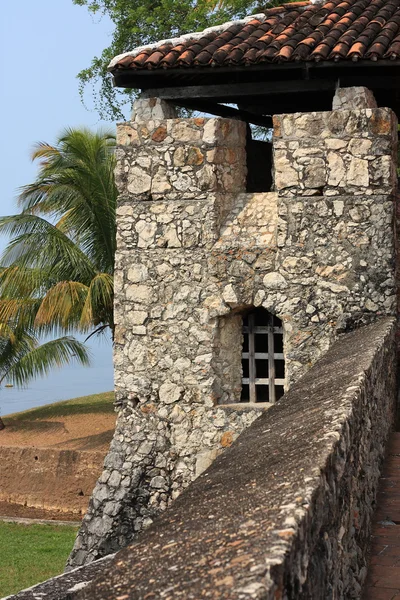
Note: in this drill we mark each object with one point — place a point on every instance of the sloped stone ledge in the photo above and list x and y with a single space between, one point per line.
65 586
285 512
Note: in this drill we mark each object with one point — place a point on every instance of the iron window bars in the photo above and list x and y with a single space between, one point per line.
262 358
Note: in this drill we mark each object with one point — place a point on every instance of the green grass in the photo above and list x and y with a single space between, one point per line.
30 554
97 403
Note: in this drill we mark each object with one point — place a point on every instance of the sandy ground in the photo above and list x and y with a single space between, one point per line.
91 431
7 509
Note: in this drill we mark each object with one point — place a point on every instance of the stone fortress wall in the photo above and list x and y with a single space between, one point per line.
285 512
195 251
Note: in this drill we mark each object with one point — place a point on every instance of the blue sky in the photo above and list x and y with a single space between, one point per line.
43 45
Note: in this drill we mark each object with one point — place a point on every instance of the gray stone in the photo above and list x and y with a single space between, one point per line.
353 98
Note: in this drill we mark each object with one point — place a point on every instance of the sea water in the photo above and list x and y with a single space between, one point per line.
62 384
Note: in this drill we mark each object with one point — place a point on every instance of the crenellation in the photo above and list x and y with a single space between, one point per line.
345 151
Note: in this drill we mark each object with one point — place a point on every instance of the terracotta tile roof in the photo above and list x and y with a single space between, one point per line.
334 30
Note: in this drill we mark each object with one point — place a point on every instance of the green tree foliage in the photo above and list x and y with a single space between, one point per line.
139 22
23 358
57 270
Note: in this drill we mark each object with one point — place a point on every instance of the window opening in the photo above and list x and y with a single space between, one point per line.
263 364
259 160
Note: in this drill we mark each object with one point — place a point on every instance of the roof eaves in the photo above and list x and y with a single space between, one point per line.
216 29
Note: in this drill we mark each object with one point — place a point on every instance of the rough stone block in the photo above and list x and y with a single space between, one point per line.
353 98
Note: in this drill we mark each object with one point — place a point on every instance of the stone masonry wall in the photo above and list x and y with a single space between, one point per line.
285 513
195 251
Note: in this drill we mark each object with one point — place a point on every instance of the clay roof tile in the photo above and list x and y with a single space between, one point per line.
338 30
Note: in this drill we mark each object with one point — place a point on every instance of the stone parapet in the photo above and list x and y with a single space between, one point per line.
286 511
335 153
180 158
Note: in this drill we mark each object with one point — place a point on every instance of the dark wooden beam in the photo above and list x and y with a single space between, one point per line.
272 69
232 91
228 112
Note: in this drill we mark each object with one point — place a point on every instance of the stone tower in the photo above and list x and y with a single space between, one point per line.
198 251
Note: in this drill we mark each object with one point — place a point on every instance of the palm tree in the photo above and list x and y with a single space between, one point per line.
57 273
23 358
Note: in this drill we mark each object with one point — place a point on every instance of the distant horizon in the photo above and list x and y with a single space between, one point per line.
82 381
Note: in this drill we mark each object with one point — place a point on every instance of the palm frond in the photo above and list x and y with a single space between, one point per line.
38 244
39 360
98 307
62 306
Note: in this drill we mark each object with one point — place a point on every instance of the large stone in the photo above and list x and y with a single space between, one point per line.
358 173
353 98
160 183
170 392
137 273
139 181
336 169
146 109
274 281
146 232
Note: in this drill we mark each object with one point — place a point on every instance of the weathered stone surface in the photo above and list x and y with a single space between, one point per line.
66 586
318 253
331 153
303 538
286 511
146 109
353 98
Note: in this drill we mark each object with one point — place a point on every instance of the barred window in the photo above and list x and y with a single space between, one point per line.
263 364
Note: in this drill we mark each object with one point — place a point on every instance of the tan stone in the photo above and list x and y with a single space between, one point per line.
146 232
229 295
315 173
335 143
179 156
285 175
206 177
274 281
139 293
169 392
357 173
276 120
160 183
127 136
137 273
136 317
338 207
359 147
145 109
139 181
139 330
171 237
336 169
209 131
184 132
